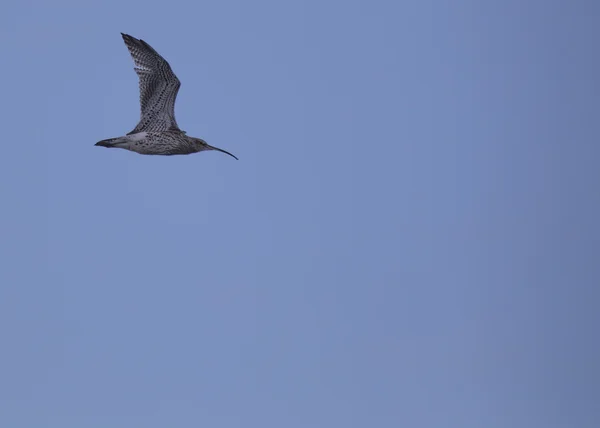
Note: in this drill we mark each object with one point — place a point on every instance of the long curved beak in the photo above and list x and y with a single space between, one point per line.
222 151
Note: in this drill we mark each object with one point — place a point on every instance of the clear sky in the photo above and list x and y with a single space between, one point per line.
409 239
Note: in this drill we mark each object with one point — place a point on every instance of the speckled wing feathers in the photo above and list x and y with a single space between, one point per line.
158 87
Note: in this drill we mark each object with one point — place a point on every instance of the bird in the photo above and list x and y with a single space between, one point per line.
157 132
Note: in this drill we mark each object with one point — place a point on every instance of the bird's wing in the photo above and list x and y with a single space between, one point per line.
158 87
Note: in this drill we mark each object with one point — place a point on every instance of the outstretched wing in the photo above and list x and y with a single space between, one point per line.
158 87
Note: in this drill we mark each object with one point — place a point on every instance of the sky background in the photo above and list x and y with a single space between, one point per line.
409 239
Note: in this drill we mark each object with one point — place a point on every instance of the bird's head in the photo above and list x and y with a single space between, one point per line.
203 145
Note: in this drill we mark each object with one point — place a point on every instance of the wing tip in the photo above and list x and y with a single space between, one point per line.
129 39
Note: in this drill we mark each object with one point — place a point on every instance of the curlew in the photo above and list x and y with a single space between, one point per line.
157 132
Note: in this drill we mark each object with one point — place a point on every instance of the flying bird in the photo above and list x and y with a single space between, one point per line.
157 132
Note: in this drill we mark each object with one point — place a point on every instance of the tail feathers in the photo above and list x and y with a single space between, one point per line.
111 142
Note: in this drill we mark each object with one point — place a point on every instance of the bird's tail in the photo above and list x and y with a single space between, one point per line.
111 142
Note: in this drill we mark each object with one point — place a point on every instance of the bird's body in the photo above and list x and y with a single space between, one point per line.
157 132
156 143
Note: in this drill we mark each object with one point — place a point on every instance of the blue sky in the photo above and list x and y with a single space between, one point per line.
409 239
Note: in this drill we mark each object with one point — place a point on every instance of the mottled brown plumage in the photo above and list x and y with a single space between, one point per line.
157 132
